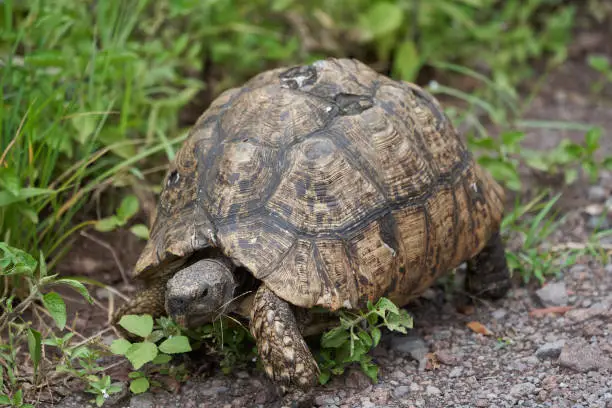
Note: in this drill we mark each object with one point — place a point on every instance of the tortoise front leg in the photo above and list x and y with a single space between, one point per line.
285 355
150 300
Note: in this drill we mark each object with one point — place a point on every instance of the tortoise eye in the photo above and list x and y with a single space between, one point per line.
173 178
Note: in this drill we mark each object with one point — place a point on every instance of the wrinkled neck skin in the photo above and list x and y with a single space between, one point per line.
201 292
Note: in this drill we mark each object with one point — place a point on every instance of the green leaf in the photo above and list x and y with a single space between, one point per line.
592 139
376 335
574 151
570 176
385 305
607 163
174 345
120 346
162 359
324 377
406 63
140 230
512 138
334 338
35 348
128 207
503 172
382 18
76 285
18 398
136 374
4 399
141 353
55 305
156 336
485 143
140 325
108 223
599 63
139 385
370 369
365 338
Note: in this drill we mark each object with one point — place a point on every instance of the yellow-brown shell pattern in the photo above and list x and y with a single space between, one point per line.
332 184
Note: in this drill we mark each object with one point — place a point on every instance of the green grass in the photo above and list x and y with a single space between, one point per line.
92 95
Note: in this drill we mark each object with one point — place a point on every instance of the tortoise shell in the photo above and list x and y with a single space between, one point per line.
330 183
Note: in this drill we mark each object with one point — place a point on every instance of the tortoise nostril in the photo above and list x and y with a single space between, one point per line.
205 292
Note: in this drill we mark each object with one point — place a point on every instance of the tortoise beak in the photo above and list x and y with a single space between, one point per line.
181 320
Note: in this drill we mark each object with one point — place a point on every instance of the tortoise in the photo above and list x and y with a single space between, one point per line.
322 185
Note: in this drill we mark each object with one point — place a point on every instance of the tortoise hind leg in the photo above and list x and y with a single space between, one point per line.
284 354
487 272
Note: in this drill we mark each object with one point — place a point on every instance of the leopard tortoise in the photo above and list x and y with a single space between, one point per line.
324 185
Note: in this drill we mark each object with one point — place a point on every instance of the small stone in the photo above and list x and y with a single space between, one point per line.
401 391
414 387
499 314
446 357
553 294
481 403
550 350
412 345
597 194
142 401
455 372
522 389
432 391
584 357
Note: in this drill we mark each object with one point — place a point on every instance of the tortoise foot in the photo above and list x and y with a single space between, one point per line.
487 273
285 356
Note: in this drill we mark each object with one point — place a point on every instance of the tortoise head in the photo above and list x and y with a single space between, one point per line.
200 292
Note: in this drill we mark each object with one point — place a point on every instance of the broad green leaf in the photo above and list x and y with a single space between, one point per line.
334 338
324 377
376 335
35 348
592 139
137 374
140 230
570 176
607 163
76 285
385 305
174 345
139 385
4 399
599 63
55 305
382 18
503 172
512 138
128 207
141 353
365 338
407 62
107 224
120 346
486 143
162 359
370 369
140 325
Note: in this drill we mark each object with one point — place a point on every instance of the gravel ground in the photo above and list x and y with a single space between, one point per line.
554 360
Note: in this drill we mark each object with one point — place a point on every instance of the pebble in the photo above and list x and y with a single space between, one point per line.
597 194
584 357
550 350
499 314
553 294
455 372
432 391
401 391
413 345
522 389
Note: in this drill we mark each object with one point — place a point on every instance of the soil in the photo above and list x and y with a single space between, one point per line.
530 356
